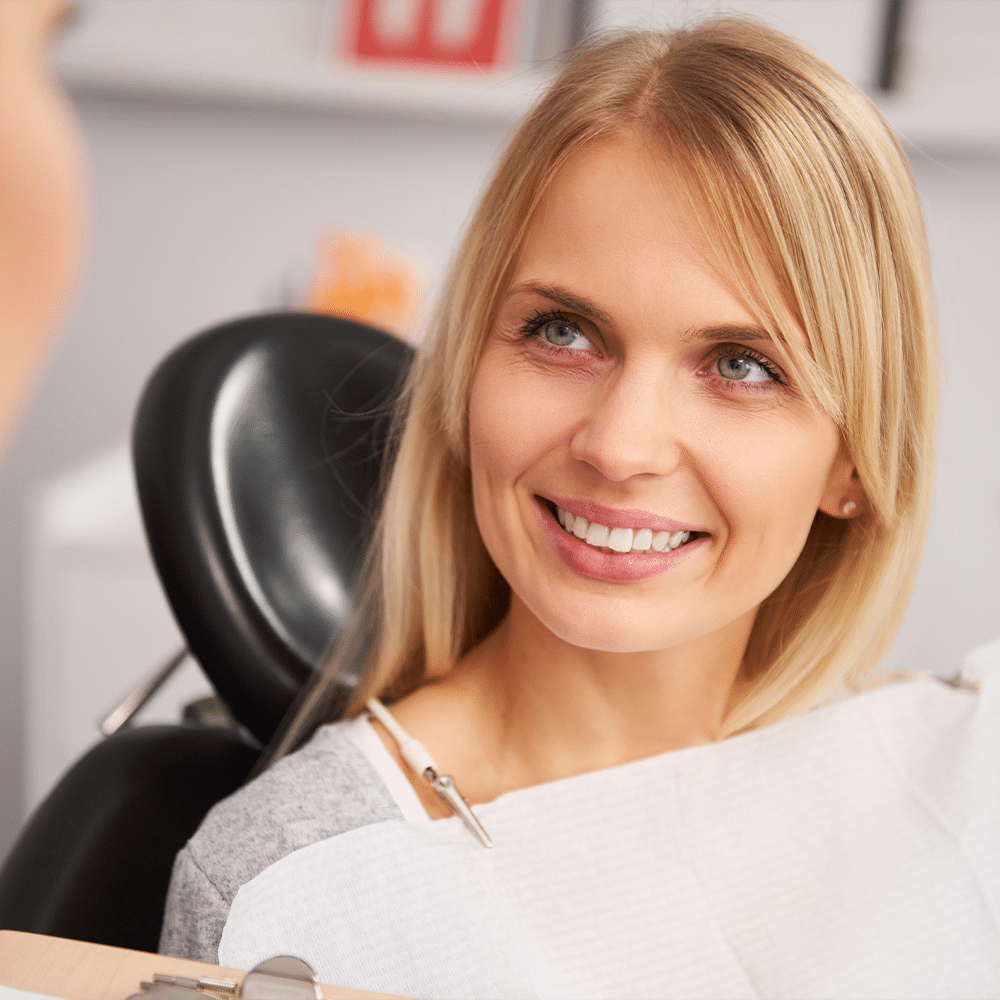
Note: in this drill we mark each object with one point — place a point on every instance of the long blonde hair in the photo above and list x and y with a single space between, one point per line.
810 202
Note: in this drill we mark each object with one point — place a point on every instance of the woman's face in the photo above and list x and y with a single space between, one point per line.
624 386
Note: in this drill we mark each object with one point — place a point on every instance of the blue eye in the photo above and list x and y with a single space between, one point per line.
743 368
559 333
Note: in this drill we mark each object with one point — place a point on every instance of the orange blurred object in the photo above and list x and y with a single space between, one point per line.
356 277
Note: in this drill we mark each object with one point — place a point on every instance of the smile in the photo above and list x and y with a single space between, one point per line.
620 540
646 544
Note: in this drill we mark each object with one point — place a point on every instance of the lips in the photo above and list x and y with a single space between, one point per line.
601 553
600 536
615 517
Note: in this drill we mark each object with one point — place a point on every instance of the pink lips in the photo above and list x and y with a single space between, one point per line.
607 566
614 517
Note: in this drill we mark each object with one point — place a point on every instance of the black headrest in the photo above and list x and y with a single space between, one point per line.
257 449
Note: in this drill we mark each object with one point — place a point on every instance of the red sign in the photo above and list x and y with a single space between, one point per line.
466 33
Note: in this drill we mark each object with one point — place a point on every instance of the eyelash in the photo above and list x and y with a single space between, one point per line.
737 351
534 324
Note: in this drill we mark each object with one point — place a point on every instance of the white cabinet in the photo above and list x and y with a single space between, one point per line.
98 622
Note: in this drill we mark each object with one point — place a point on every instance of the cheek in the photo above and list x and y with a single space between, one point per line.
514 431
489 458
514 420
776 484
497 442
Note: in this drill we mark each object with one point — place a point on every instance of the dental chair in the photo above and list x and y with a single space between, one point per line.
258 449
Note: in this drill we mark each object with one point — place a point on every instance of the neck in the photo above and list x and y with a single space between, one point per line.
526 707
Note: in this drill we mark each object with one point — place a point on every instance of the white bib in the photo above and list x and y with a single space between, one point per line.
851 852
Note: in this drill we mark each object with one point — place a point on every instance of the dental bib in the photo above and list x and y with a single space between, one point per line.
851 852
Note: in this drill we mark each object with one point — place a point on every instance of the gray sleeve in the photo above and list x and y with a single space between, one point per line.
195 913
325 789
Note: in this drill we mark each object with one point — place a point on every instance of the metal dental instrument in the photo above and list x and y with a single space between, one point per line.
423 763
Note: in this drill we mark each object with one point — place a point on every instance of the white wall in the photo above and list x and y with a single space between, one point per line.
957 600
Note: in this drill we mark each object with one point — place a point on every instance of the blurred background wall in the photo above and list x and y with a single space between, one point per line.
226 136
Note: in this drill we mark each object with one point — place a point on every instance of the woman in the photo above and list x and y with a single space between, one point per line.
659 497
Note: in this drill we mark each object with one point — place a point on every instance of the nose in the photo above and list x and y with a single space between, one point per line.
633 429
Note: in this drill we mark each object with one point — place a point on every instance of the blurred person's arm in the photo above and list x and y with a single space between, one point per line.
41 200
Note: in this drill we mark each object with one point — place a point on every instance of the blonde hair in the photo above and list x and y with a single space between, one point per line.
809 199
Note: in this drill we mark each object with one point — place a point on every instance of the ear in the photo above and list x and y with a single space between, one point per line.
844 495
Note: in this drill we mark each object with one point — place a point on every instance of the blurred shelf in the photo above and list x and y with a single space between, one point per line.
928 118
442 95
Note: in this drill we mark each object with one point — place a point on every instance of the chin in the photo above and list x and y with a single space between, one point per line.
606 633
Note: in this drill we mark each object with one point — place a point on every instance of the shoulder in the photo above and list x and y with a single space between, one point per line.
931 707
944 736
325 789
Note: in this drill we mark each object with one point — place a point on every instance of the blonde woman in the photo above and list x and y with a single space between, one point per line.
655 517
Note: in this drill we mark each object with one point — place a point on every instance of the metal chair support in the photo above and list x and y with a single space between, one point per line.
123 713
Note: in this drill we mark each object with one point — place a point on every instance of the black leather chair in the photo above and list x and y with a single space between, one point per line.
257 449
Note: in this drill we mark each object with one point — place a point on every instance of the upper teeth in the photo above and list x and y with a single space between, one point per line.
620 539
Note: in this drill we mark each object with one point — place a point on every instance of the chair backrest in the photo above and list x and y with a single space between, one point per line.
258 449
94 861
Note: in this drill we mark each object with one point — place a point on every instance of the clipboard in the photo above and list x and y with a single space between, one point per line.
79 970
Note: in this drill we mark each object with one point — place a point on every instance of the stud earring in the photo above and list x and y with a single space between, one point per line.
849 508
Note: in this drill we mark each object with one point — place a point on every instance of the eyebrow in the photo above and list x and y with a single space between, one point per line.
566 299
738 332
578 304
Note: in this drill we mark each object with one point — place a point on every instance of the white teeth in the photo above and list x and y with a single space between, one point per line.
597 534
620 539
642 540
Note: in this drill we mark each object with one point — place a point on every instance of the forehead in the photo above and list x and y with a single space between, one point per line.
619 225
615 185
